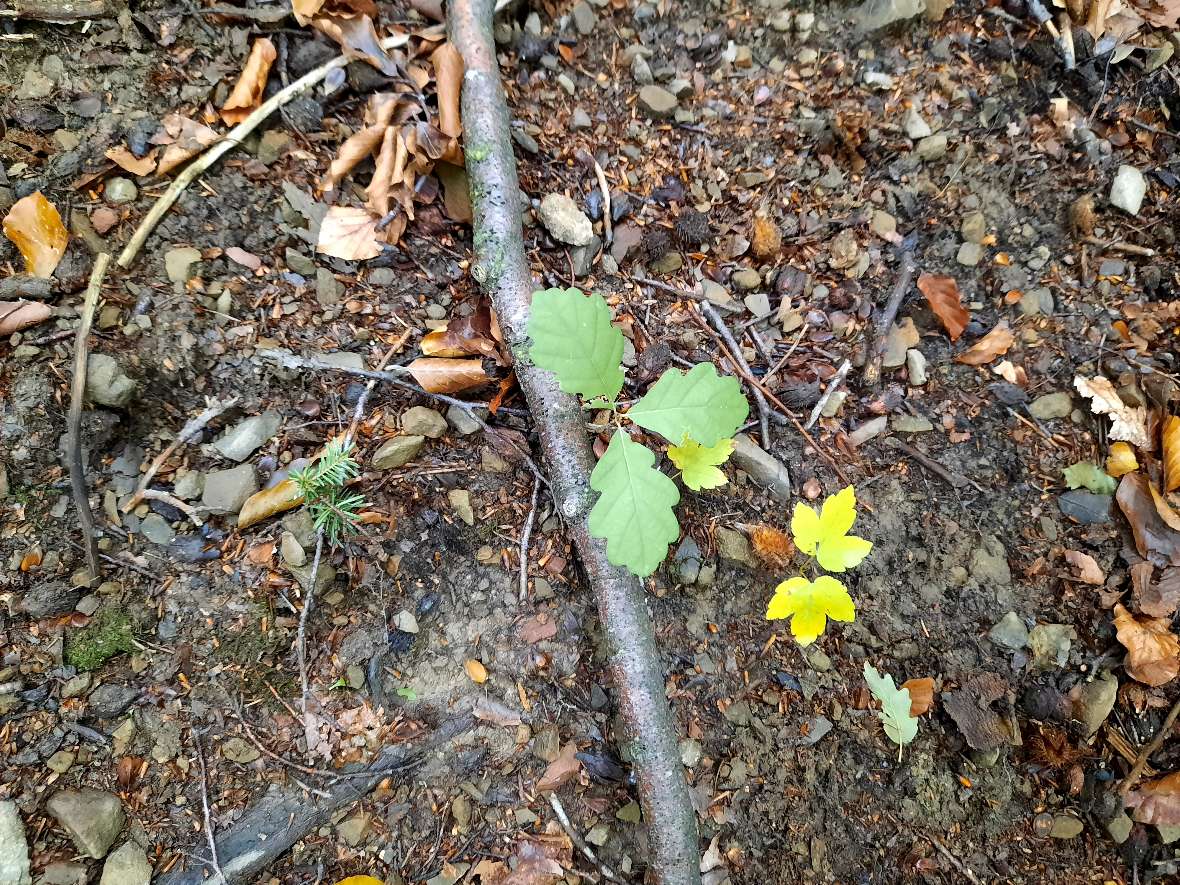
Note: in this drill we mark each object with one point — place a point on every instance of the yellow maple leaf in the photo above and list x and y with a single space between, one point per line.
698 464
809 605
824 535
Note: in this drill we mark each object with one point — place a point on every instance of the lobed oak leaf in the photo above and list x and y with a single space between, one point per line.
1153 651
943 296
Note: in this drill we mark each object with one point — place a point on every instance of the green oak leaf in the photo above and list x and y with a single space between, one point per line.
573 338
1091 476
633 513
698 465
700 403
900 726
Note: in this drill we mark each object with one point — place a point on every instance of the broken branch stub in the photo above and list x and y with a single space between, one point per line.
502 270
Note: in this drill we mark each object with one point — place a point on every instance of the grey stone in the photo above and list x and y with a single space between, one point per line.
680 87
120 190
156 529
127 865
189 485
902 337
1037 301
915 127
34 85
970 254
911 424
1119 827
241 440
1050 644
989 563
669 262
421 421
291 550
657 102
462 420
686 562
343 359
872 15
237 750
109 700
746 279
915 366
932 147
690 752
1112 267
178 261
758 303
301 264
565 221
877 80
869 430
1094 702
973 227
763 468
398 451
76 686
106 383
324 576
327 288
582 257
406 622
579 120
14 847
883 224
734 546
1009 632
641 71
716 293
1128 189
62 873
91 818
227 490
352 829
460 501
271 145
1051 405
584 18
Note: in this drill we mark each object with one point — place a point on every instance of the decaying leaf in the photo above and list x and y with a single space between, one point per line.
943 296
17 315
1161 13
995 343
129 770
1157 598
464 336
539 859
921 694
448 77
128 162
971 709
447 376
247 92
35 227
488 710
183 139
896 714
1126 422
358 39
1164 508
456 196
1121 459
561 770
350 233
278 498
1171 449
305 10
1153 651
1155 540
1157 802
1085 567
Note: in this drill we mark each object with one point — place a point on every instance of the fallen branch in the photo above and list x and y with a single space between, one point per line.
1132 779
74 416
954 480
309 725
833 386
231 140
735 351
284 815
576 837
58 12
501 268
884 321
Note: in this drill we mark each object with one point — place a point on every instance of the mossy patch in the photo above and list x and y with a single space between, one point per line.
109 633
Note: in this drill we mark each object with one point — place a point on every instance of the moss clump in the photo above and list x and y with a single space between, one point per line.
109 633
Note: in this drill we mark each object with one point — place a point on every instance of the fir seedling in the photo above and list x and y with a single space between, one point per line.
334 511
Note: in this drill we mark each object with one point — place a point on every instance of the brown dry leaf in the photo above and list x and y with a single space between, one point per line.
773 547
1157 802
378 196
247 92
277 499
238 255
128 162
1161 598
448 78
128 771
464 336
35 227
355 148
1085 567
1171 439
921 694
261 554
475 671
358 39
995 343
971 708
1161 13
1165 510
1153 651
17 315
943 296
1154 538
305 10
446 376
1126 422
488 710
183 139
1121 459
456 196
537 628
350 233
561 770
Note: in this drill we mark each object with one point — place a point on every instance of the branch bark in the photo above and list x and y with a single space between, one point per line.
502 270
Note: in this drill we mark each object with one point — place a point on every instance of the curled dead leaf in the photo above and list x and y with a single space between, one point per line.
1126 422
36 229
943 296
261 554
128 162
17 315
378 196
487 710
183 139
1157 802
1085 567
561 770
1155 540
1158 598
278 498
447 376
448 78
995 343
921 694
247 92
1153 651
464 336
357 38
1171 448
350 233
1164 508
129 770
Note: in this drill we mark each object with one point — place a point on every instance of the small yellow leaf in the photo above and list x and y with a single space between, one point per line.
1171 438
824 535
809 605
476 671
360 880
1121 459
35 227
698 464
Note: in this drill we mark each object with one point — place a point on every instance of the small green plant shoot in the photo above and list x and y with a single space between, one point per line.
900 726
697 412
823 535
333 511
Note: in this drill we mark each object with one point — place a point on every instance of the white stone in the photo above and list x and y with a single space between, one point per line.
1128 189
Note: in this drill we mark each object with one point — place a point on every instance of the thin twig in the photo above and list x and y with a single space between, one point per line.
1132 778
955 862
525 534
833 386
231 140
187 433
955 480
608 234
213 861
172 501
301 640
74 416
872 369
1129 248
576 837
735 351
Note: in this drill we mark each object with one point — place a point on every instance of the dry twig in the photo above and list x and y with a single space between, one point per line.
207 814
833 386
1132 779
872 369
525 534
576 837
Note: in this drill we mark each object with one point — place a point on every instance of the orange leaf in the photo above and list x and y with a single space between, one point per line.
464 336
247 92
1085 567
17 315
260 554
277 499
921 694
304 10
35 227
942 294
1171 437
1121 459
447 376
561 770
1164 509
128 162
1153 651
183 139
128 771
349 232
448 76
476 671
995 343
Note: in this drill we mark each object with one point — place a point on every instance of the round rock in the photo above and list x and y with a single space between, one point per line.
565 221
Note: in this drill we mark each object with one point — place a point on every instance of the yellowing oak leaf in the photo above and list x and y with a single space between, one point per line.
698 464
809 605
1126 422
824 535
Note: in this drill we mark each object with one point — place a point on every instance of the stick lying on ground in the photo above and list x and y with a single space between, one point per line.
502 270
